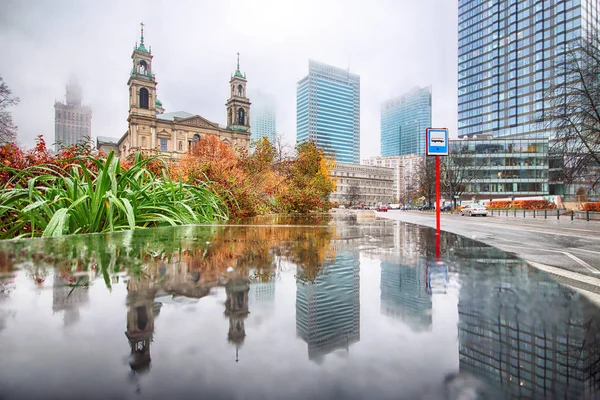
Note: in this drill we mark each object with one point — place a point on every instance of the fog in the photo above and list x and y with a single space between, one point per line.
392 45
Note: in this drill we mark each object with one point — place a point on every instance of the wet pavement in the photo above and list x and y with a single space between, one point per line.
288 308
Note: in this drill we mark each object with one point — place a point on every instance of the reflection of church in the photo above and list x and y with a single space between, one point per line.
177 278
151 129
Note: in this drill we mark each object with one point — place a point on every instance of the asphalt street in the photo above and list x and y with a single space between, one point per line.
562 245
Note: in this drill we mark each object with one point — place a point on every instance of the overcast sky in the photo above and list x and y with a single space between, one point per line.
393 45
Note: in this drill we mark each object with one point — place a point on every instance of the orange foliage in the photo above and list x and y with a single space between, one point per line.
591 206
521 205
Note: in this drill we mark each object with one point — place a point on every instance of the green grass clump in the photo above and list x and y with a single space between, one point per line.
111 199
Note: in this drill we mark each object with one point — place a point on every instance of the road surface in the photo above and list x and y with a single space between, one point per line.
569 250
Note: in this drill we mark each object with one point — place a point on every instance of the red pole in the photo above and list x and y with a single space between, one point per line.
437 207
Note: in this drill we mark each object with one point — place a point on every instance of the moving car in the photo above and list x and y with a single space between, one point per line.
473 209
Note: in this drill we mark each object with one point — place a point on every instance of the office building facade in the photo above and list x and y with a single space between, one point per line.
72 119
328 111
263 120
407 171
404 120
375 184
508 51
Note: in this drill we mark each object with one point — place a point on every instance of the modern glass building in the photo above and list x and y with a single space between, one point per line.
403 123
508 51
263 119
500 168
328 111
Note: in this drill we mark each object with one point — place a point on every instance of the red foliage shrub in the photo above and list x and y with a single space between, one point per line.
496 205
533 204
592 206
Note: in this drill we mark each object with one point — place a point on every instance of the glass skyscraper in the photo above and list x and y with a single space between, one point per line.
403 123
263 119
328 111
508 51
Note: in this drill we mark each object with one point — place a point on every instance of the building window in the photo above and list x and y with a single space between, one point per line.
163 144
180 145
144 98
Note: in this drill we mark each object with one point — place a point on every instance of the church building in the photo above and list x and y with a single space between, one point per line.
153 130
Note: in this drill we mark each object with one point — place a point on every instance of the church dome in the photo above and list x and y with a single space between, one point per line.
238 73
158 103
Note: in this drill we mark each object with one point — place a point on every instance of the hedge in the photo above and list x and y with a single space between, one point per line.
521 205
591 206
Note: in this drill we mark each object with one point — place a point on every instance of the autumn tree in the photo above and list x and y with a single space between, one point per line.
8 130
574 112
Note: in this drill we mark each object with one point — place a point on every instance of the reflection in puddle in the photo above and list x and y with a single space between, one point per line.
324 307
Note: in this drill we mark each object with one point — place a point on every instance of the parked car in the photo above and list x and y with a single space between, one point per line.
446 208
382 208
473 209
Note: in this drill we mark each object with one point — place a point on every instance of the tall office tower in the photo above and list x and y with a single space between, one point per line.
508 50
403 123
263 120
73 120
328 111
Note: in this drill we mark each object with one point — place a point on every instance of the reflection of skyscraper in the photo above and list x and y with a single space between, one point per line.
403 294
328 309
530 348
69 293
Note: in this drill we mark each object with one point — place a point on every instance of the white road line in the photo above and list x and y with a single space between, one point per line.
549 233
566 253
588 251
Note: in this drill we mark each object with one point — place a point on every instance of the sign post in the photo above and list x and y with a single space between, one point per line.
437 144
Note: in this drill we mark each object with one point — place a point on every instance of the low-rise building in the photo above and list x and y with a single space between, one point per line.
372 184
107 144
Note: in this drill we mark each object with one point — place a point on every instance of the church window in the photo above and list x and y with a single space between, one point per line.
180 145
144 98
196 137
163 144
143 141
143 67
240 90
229 121
232 90
241 116
142 317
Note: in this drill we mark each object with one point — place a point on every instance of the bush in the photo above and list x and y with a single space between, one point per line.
498 205
520 205
591 206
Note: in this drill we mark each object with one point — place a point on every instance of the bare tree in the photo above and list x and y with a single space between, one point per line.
574 112
353 195
8 130
458 170
283 150
427 179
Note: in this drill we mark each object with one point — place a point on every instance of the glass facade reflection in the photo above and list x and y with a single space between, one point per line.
505 167
404 294
328 309
508 51
328 111
403 123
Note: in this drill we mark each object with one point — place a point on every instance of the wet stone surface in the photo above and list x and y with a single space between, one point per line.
288 308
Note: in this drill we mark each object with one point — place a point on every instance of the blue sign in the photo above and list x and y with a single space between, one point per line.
410 200
437 141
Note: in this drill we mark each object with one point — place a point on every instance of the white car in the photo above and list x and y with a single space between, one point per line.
473 209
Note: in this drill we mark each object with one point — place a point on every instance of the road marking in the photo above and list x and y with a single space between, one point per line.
589 251
566 253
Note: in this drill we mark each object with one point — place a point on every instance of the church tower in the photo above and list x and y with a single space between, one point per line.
142 91
238 105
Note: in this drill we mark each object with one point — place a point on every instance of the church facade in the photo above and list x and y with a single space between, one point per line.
152 130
